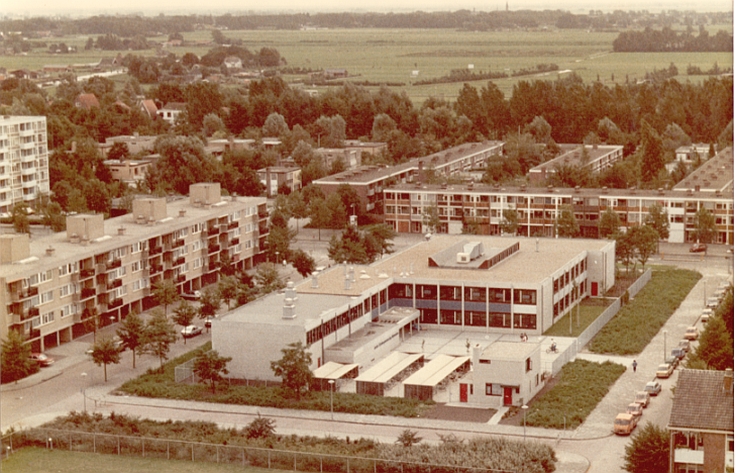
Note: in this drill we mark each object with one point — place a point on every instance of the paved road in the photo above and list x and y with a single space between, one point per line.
591 447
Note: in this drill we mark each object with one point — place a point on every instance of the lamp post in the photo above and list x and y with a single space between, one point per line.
665 346
524 408
332 388
84 390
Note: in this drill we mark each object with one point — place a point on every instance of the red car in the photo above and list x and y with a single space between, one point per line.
42 359
698 248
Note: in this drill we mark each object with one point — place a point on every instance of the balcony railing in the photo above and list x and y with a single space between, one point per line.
213 248
233 225
178 243
114 303
86 273
234 241
114 264
213 231
28 292
87 292
156 268
114 283
180 279
156 250
179 261
33 312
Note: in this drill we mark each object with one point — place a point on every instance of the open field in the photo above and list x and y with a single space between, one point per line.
385 55
40 460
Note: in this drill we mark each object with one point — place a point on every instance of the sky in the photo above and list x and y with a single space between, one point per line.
147 7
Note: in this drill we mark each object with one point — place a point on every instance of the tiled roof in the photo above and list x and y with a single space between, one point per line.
701 403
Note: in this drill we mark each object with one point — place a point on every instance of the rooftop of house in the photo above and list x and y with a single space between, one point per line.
374 173
703 401
174 106
511 351
715 174
572 154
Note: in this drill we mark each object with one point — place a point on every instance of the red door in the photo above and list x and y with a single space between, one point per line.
594 289
463 392
507 397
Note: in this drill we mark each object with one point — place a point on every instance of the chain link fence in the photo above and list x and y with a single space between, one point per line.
146 447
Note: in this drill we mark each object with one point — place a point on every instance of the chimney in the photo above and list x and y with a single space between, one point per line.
182 212
347 282
315 281
50 251
290 292
289 309
728 380
121 231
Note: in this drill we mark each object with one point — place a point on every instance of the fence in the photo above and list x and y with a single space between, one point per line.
147 447
185 372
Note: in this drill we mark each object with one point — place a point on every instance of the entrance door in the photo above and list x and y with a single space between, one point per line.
594 289
463 392
507 397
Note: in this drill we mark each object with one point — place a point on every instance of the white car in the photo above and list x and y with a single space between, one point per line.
706 315
191 331
691 333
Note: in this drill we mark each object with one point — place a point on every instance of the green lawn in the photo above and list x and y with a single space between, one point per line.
38 460
589 311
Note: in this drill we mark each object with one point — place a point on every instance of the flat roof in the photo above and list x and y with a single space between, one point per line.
411 265
513 351
269 309
571 154
388 367
436 370
65 251
333 370
715 174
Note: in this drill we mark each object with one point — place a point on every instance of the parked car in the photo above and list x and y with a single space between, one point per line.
665 370
672 360
42 359
698 248
625 423
208 321
191 296
691 333
653 388
191 331
642 397
678 353
713 303
685 345
706 314
635 409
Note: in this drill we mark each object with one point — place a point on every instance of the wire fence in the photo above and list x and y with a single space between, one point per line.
148 447
184 373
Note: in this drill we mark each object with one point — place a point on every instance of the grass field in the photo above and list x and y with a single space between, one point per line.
38 460
589 311
387 55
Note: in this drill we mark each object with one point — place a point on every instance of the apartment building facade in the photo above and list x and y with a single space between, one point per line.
53 285
537 209
24 160
594 157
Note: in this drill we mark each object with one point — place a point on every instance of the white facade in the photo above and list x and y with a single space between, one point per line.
24 160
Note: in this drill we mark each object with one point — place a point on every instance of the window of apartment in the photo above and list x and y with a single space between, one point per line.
197 228
136 266
66 289
528 365
68 310
137 247
46 275
47 318
197 263
47 296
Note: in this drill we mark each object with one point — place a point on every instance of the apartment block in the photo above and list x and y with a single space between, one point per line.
369 182
51 285
480 208
24 160
594 157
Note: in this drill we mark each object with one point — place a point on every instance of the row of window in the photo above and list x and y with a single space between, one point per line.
457 293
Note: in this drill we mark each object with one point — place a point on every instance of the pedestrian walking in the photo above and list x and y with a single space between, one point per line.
634 365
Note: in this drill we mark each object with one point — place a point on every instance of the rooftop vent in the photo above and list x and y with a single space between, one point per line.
50 251
182 212
289 309
471 251
121 231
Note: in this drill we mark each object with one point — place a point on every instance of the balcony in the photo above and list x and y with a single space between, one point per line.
86 273
114 303
213 231
156 250
180 279
156 268
114 284
213 249
234 241
33 312
178 243
87 292
28 292
233 225
179 261
114 264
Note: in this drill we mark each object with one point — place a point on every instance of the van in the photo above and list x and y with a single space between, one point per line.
635 409
624 424
678 352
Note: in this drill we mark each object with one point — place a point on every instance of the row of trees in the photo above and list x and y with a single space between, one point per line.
668 40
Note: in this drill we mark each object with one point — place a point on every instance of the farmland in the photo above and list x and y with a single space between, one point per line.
391 56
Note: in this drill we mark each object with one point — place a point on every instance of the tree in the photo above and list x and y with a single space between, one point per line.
644 240
16 358
118 151
705 226
625 251
566 223
184 313
293 369
715 347
378 240
165 293
105 352
210 367
131 333
158 336
21 223
302 262
609 225
431 218
408 438
53 216
260 427
227 288
648 451
348 247
510 221
659 221
268 278
652 154
209 303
